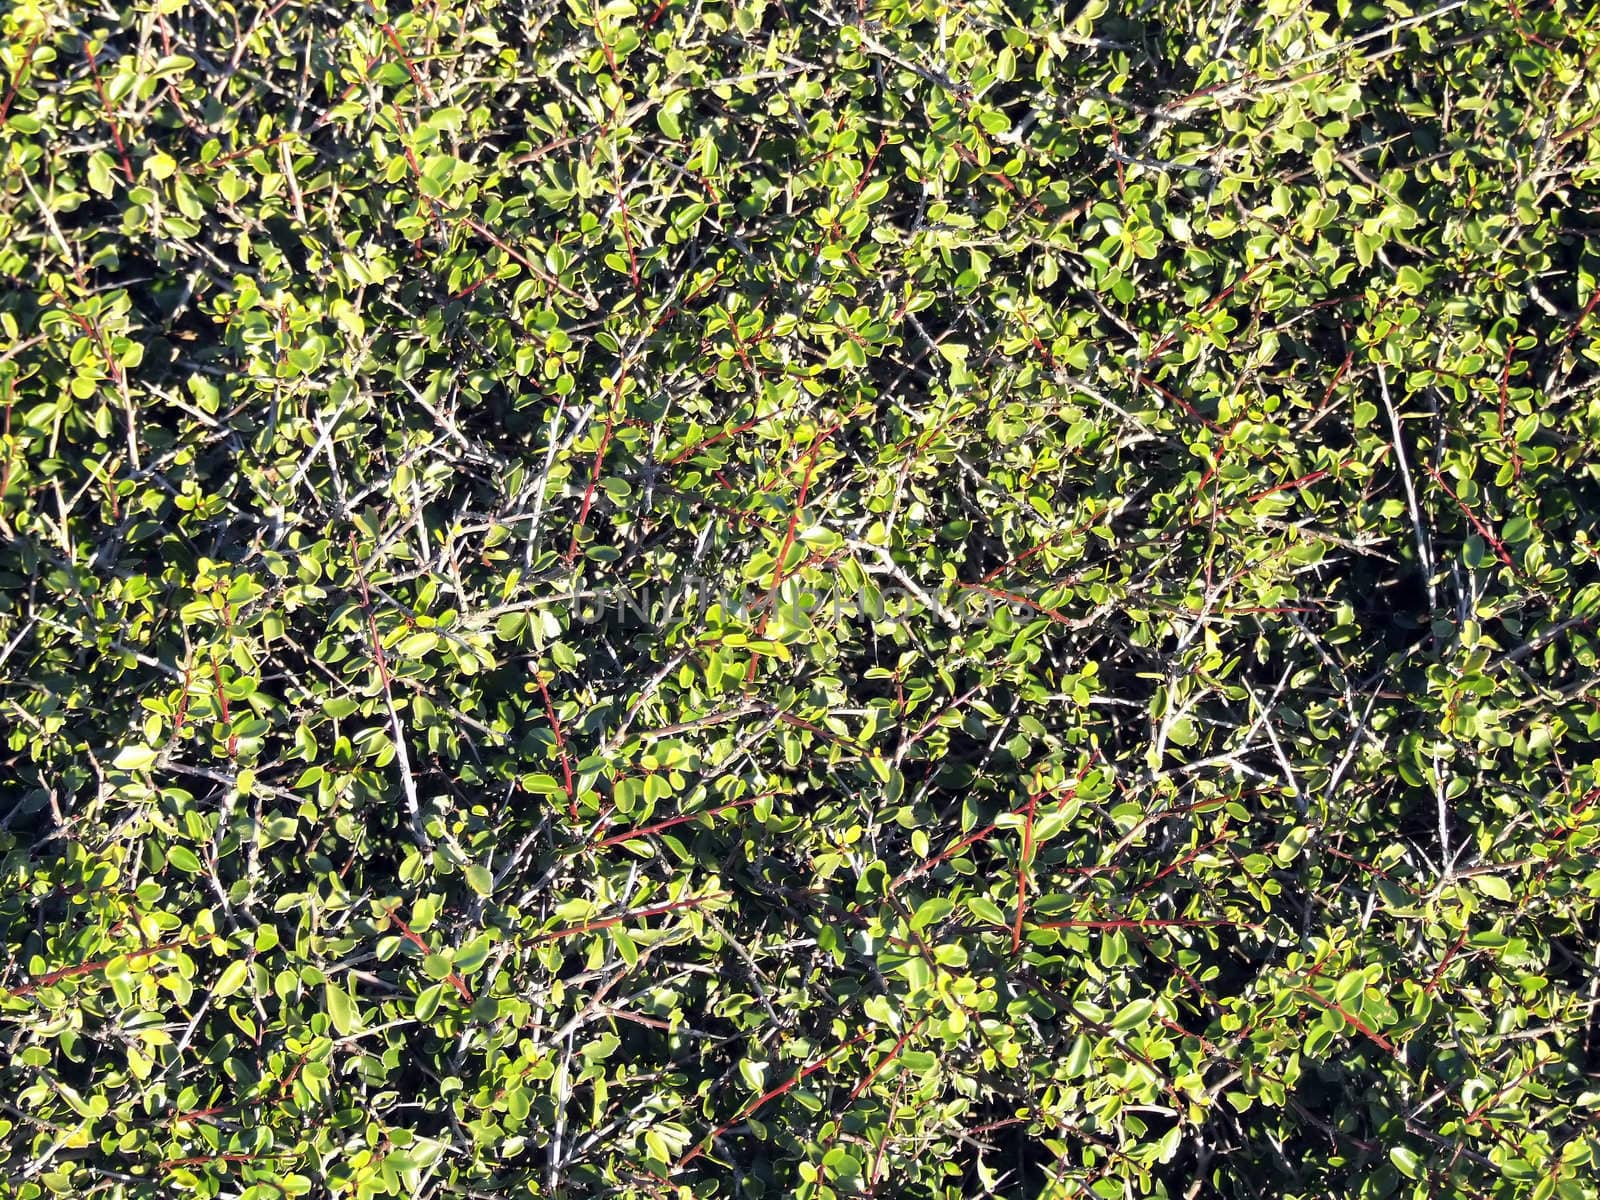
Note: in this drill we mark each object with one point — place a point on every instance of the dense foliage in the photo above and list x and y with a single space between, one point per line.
812 598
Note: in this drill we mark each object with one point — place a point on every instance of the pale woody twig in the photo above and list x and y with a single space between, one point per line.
898 573
1424 548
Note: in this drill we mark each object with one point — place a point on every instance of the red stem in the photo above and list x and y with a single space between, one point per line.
647 830
1022 872
16 80
88 968
1148 924
111 120
1372 1035
1179 401
588 492
636 915
712 441
222 704
1495 543
411 936
1505 383
767 1097
561 747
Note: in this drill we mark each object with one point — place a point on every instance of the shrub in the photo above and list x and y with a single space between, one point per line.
754 599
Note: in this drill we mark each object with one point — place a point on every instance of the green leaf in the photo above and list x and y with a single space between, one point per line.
473 954
625 945
184 859
1132 1014
1493 886
986 909
1293 842
341 1008
930 912
1406 1161
427 1002
134 758
232 979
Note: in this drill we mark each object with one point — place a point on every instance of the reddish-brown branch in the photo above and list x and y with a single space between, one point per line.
1449 957
627 241
1350 357
673 310
232 1156
183 700
930 864
778 573
894 1053
1505 386
1167 342
692 450
868 1079
1179 401
16 78
1021 558
222 707
670 822
872 163
1059 618
1188 858
171 90
1302 481
89 968
638 914
1372 1035
111 119
416 167
405 60
1584 315
1022 871
5 468
1148 924
561 746
768 1096
588 492
494 239
1494 543
378 658
794 520
411 936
